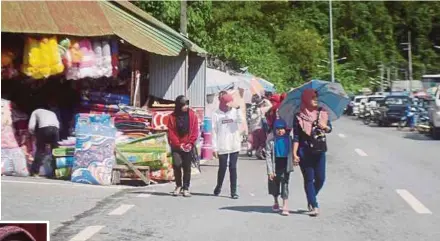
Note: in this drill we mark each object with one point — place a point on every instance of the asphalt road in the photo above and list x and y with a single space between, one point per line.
382 184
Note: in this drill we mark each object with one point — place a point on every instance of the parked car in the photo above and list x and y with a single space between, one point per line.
357 103
392 109
434 115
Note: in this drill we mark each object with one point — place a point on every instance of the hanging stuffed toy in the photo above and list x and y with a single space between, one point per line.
97 49
72 72
8 69
64 49
41 58
107 68
115 58
32 61
87 67
55 64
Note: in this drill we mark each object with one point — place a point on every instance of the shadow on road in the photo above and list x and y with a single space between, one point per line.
208 165
170 193
259 209
417 136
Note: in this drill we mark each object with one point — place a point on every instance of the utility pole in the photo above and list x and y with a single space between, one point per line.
332 65
410 71
389 76
183 31
183 18
381 77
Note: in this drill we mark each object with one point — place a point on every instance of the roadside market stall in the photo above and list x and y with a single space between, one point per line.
96 67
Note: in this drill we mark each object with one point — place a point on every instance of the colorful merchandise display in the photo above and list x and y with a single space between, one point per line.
64 158
13 159
41 58
94 151
90 59
152 151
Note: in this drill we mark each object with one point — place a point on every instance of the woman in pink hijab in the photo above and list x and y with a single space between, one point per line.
309 145
15 233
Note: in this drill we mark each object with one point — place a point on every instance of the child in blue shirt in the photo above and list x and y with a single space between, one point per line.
279 164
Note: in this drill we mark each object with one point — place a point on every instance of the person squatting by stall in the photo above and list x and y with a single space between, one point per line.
45 125
183 132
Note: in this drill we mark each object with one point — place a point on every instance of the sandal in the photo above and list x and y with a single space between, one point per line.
276 208
314 212
285 212
177 191
186 193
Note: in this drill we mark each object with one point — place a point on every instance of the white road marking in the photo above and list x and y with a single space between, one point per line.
121 209
252 195
413 202
144 195
67 184
341 135
87 233
360 152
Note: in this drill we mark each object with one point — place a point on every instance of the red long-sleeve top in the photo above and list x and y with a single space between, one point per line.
174 139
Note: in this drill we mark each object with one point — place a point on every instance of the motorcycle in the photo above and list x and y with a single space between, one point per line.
408 119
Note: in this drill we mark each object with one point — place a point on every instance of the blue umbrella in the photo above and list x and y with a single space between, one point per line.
331 96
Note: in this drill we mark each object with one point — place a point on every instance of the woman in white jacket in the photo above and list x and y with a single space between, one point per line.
227 142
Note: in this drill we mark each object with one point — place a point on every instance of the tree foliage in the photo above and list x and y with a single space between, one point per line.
288 42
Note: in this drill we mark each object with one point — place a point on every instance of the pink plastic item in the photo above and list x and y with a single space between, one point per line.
207 152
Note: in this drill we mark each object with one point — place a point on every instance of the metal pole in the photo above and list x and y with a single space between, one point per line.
410 70
388 76
183 30
332 66
381 77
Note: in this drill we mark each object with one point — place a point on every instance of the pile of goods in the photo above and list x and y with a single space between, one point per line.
94 150
152 151
63 156
13 159
132 123
102 103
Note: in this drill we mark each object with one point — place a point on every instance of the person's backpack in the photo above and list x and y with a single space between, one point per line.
317 141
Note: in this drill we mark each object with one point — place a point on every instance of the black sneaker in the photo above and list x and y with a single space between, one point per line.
217 191
234 196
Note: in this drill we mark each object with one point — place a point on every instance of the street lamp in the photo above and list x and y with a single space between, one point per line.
437 47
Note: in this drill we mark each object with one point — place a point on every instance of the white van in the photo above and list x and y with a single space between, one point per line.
434 115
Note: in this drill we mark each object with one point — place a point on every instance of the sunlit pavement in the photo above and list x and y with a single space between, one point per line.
382 184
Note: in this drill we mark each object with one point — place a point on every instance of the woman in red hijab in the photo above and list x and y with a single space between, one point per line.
309 145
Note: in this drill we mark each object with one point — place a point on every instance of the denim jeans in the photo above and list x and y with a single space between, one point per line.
313 170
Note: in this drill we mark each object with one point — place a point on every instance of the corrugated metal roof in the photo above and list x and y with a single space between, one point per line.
94 18
140 34
151 20
55 17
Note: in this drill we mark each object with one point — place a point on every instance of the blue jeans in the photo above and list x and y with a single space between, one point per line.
313 170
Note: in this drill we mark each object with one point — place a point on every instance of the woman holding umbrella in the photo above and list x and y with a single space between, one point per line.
309 145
